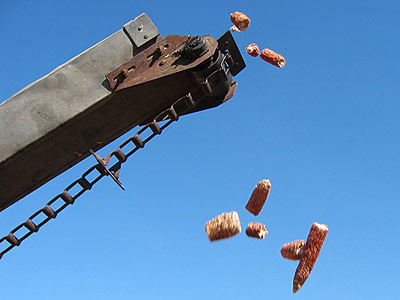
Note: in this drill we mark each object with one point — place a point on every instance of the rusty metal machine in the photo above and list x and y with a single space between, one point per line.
132 78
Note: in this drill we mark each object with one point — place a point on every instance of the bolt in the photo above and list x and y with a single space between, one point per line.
158 51
145 36
123 73
194 47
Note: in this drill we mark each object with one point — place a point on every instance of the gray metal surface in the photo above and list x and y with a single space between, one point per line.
141 30
31 121
59 96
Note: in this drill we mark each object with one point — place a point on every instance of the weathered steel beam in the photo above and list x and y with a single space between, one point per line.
49 126
121 82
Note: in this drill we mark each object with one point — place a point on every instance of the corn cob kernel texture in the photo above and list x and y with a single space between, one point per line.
256 230
240 20
273 58
293 250
253 50
258 197
315 240
223 226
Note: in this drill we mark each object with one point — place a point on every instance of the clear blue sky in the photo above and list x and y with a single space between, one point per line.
324 130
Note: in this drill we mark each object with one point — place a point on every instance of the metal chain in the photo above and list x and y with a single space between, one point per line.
170 115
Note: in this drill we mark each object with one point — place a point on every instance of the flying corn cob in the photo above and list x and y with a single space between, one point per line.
311 251
273 58
256 230
253 50
240 21
223 226
293 250
258 197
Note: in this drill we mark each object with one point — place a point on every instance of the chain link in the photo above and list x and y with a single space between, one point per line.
83 184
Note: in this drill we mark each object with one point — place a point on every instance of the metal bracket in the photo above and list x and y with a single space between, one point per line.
106 170
161 60
141 30
226 44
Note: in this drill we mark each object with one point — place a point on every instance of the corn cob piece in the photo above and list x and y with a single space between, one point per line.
315 240
253 50
256 230
240 21
273 58
293 250
223 226
258 197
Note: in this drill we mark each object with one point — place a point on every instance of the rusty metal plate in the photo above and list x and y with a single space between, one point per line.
159 60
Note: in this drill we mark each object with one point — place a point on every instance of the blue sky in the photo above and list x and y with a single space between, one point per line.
324 130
